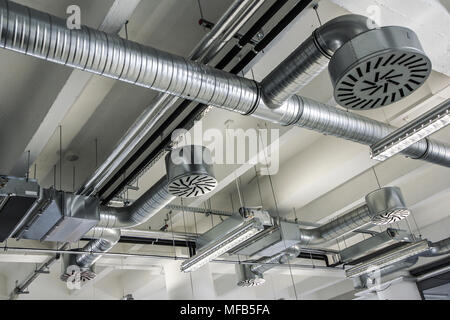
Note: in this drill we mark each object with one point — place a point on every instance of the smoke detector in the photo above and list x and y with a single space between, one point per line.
190 171
378 67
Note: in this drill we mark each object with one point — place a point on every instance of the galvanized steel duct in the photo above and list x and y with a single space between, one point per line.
313 115
279 258
228 24
311 58
150 203
47 37
342 225
103 240
38 34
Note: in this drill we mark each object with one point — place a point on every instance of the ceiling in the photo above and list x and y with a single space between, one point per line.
320 176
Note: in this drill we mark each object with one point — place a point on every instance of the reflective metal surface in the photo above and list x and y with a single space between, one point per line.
378 67
387 205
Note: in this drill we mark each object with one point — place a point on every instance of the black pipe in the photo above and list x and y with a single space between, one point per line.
287 19
158 242
200 108
262 21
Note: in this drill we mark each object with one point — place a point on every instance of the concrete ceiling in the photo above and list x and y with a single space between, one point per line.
320 176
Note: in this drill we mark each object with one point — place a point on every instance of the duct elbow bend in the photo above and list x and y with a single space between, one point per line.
336 32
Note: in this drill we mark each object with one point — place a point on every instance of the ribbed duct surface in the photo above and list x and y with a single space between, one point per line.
191 163
34 33
37 34
150 203
379 204
311 57
103 240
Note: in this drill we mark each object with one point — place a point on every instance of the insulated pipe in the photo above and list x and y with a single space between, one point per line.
311 58
103 240
150 203
34 33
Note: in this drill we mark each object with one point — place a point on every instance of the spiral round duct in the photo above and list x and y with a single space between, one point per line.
72 272
190 172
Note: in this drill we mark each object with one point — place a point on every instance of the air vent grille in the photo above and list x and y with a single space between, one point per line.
192 185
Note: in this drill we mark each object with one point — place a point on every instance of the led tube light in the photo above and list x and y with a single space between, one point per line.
416 130
393 256
216 249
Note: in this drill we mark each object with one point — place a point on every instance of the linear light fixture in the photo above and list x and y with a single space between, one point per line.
393 256
223 245
421 127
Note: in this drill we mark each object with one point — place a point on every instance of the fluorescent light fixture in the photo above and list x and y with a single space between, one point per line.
421 127
222 245
393 256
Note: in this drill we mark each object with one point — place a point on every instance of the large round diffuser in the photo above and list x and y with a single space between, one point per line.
378 67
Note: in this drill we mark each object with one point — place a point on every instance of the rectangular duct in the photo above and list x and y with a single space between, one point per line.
272 241
63 217
17 195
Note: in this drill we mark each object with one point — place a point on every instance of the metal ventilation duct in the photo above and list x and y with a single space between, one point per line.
17 198
46 37
382 203
378 67
387 205
103 240
274 240
194 176
190 172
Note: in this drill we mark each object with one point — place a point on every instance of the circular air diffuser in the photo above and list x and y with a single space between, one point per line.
391 217
190 171
248 278
378 67
386 205
72 272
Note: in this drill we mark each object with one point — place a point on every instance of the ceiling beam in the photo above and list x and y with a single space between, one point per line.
119 13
